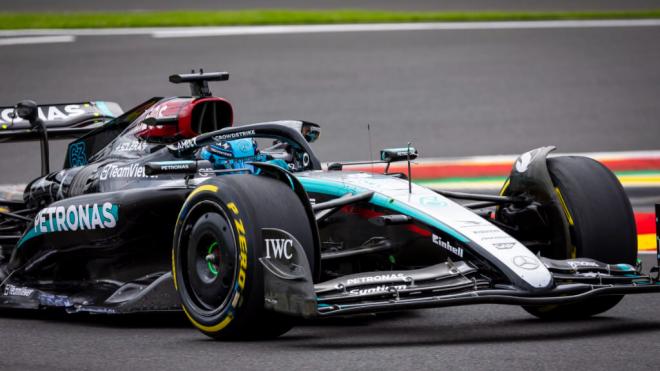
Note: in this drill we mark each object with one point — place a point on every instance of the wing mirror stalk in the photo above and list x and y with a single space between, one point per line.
29 110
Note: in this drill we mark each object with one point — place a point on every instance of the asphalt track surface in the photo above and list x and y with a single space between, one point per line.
412 5
452 93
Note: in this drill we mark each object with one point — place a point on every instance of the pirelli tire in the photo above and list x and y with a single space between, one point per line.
602 225
217 244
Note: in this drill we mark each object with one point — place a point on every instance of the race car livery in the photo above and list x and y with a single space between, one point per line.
169 206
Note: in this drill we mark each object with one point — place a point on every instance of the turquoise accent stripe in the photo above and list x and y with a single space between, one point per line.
625 267
30 234
104 109
336 189
339 189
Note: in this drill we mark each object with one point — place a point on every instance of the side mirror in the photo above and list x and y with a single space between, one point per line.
27 110
309 130
398 154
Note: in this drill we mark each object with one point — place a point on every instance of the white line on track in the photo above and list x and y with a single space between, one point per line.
265 30
37 40
174 32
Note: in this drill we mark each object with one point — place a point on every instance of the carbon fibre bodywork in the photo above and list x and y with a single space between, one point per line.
97 236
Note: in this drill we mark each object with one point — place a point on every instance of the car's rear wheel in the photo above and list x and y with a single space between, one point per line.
217 246
602 226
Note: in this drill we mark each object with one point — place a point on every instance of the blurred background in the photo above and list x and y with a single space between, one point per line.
450 92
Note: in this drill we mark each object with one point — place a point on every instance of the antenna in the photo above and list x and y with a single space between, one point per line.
371 152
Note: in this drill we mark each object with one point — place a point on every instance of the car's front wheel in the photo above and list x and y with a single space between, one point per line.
217 245
601 223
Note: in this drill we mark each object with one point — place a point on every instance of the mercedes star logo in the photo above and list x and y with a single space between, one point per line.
526 262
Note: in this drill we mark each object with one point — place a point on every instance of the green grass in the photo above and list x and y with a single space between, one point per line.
21 20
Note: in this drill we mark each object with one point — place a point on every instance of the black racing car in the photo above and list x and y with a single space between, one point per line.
169 206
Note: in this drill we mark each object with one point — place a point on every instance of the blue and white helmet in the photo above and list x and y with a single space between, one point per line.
236 154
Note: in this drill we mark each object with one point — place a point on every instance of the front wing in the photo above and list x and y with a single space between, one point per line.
445 284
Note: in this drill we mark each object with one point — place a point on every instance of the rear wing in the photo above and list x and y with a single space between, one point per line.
63 120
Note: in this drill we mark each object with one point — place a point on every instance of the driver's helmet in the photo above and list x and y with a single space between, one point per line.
237 154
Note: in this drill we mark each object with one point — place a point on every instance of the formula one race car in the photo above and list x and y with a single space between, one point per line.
168 206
